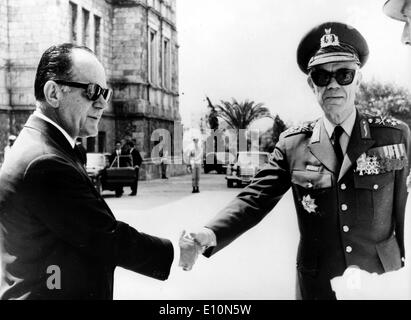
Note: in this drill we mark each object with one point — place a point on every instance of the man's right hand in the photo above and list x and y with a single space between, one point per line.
189 250
192 243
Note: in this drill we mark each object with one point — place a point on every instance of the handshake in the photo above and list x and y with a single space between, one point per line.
192 244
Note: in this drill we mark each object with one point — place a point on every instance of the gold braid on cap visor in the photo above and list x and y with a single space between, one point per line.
342 52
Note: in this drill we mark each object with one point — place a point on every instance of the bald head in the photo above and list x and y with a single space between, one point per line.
86 67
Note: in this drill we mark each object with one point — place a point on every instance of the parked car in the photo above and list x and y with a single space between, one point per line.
217 161
109 176
245 168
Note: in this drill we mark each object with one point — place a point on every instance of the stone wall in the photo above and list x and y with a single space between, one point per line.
4 94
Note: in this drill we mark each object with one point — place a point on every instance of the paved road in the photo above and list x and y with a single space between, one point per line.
258 265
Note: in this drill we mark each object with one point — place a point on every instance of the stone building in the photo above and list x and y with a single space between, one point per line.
136 40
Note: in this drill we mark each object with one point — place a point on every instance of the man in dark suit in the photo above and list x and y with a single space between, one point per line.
120 157
347 172
59 239
136 163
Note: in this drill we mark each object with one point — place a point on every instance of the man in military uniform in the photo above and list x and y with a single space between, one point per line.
347 172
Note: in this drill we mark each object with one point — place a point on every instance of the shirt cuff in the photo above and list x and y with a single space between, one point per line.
211 237
176 248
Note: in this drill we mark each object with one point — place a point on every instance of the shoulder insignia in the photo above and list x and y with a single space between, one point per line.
383 121
306 128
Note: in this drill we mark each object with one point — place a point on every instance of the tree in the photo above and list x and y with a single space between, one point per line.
239 115
269 139
385 99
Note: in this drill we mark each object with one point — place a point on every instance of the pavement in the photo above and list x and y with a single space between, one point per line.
258 265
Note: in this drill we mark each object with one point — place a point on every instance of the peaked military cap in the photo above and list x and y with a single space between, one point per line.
393 9
331 42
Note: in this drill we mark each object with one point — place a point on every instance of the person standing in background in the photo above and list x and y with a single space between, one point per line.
195 156
136 162
164 162
12 138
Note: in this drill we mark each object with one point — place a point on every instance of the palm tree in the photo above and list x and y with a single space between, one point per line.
239 115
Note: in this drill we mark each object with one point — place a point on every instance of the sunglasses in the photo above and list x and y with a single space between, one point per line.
322 78
93 90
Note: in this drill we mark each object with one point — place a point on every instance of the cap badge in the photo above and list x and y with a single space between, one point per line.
329 39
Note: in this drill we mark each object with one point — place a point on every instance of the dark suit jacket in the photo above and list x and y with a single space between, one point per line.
349 219
135 154
51 215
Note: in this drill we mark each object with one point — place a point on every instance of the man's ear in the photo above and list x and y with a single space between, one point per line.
311 83
52 93
359 78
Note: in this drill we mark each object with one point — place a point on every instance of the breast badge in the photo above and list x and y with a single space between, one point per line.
309 204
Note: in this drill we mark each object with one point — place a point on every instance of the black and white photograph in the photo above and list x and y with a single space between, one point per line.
205 150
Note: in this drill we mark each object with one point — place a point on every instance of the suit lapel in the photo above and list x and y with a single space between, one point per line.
360 142
321 147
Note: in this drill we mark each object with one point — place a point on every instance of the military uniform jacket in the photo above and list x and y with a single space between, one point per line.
52 215
353 218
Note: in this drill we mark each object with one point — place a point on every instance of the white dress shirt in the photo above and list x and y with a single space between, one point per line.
347 125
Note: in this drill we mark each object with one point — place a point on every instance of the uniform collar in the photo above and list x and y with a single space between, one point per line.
347 125
71 141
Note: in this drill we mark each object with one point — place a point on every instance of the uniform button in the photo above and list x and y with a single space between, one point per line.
348 249
376 186
344 207
346 228
343 186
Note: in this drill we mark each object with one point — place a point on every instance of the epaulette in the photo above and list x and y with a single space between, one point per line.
306 128
384 121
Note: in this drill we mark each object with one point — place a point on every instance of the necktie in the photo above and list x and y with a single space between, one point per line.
80 154
338 131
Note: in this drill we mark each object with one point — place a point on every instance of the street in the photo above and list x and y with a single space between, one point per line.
258 265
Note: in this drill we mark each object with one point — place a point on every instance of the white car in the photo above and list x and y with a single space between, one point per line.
246 167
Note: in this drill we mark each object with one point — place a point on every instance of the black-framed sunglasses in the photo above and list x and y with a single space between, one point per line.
93 90
322 78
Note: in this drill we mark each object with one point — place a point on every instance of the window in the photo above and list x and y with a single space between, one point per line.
73 22
86 31
166 64
101 141
97 23
152 52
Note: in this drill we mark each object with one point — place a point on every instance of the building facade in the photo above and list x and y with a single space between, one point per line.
136 40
